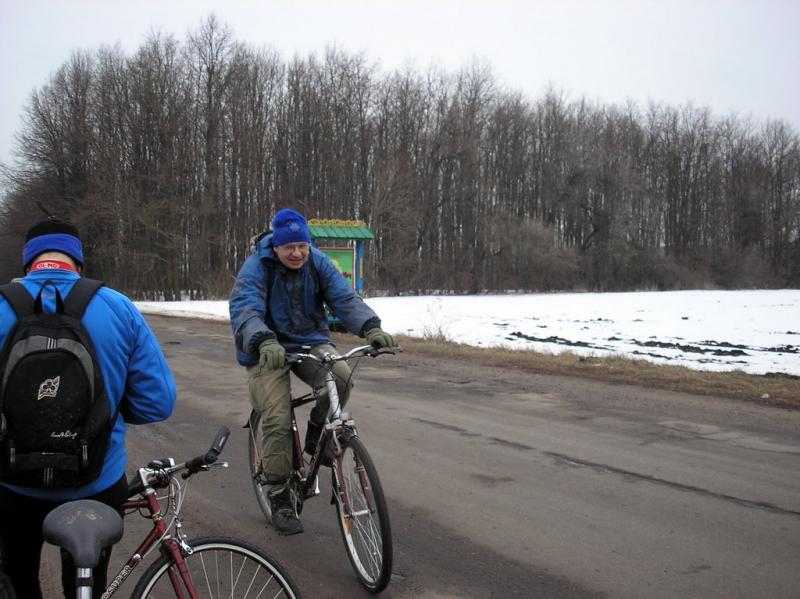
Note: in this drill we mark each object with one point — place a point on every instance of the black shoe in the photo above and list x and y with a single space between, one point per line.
284 518
313 431
326 459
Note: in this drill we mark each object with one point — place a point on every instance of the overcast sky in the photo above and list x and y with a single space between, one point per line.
735 56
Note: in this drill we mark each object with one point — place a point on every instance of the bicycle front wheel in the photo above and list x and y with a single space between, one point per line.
256 474
364 521
219 567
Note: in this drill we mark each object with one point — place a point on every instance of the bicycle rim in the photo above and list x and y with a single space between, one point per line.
365 529
220 567
256 476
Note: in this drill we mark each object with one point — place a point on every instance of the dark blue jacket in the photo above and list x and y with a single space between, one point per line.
130 360
292 310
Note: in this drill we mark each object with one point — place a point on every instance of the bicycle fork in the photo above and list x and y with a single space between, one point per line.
343 491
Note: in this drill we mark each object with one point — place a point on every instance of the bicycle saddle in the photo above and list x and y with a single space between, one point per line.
83 528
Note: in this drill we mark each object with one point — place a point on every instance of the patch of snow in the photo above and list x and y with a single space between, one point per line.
754 331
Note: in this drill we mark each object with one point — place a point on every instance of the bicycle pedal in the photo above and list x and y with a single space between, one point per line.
313 491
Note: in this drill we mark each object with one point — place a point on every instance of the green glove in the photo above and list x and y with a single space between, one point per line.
378 339
272 355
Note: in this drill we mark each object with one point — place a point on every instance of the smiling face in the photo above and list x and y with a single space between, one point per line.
293 255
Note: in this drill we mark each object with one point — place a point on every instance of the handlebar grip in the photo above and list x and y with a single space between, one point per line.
219 441
135 486
195 464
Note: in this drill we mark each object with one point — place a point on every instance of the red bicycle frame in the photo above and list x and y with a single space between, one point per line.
158 534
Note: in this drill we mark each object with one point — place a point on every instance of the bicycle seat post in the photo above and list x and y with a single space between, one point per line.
83 528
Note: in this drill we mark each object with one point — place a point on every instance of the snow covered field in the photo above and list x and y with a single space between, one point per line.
753 331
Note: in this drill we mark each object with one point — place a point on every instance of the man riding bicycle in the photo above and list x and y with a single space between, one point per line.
276 305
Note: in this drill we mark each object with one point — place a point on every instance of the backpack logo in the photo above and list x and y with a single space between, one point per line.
49 388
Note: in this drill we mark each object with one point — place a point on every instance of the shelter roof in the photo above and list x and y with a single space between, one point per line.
339 229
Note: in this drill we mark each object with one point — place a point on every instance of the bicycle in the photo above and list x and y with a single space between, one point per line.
196 568
6 588
357 492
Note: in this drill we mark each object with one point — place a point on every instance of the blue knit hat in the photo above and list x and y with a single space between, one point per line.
289 226
52 235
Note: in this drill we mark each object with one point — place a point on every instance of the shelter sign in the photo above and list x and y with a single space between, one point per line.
344 260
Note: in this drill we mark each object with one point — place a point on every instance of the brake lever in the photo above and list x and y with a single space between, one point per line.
204 468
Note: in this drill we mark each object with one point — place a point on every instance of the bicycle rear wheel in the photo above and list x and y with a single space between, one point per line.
6 588
256 475
365 526
220 567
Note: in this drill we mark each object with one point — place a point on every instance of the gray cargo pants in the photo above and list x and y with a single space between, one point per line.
269 396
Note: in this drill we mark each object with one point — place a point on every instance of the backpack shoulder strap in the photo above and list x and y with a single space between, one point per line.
256 239
270 268
315 273
80 295
19 298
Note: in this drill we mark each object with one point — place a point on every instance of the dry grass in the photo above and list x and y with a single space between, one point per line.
775 390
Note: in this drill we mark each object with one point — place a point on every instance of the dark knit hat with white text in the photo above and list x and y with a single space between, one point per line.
52 235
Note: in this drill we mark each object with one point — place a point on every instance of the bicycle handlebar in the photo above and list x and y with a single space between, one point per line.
158 472
209 457
328 358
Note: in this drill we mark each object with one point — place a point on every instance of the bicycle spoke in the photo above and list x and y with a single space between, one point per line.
370 539
205 575
221 568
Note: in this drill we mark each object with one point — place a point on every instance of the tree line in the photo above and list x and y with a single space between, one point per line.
170 159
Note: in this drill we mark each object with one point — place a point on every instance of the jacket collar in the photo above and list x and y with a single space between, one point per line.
55 275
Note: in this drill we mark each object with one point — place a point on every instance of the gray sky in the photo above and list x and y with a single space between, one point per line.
735 56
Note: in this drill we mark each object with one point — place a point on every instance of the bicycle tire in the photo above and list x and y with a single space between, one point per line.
254 452
367 535
6 588
246 572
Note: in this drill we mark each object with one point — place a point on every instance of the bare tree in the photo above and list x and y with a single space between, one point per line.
170 159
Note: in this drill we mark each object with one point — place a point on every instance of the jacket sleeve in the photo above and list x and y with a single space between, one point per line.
149 387
248 305
343 299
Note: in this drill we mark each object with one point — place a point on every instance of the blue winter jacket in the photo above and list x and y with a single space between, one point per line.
292 310
134 370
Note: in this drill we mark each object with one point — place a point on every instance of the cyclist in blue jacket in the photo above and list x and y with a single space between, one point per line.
276 306
135 375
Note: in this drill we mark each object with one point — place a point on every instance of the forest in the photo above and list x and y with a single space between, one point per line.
170 159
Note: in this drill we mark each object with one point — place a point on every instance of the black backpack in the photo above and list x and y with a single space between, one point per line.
55 420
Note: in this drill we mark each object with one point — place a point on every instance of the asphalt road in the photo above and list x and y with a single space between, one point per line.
503 484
